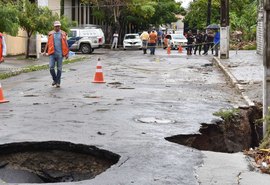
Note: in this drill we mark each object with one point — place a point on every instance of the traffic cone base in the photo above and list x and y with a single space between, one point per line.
99 74
169 50
180 49
2 99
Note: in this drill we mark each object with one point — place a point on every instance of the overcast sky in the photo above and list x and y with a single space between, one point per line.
185 3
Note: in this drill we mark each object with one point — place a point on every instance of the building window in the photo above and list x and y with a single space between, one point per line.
73 4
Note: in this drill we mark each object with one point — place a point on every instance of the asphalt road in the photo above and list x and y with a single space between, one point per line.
146 98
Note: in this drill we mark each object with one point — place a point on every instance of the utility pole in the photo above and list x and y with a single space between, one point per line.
266 62
209 5
225 29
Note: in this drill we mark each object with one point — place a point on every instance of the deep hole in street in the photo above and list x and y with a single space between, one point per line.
234 134
52 162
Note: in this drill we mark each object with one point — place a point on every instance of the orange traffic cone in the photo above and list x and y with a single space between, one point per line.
99 74
169 50
2 99
180 49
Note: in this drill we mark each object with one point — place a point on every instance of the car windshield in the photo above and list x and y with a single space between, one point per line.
178 36
132 37
72 34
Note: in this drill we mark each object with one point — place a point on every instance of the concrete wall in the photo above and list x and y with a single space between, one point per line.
55 6
68 9
16 45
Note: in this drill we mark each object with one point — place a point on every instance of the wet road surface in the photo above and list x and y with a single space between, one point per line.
146 98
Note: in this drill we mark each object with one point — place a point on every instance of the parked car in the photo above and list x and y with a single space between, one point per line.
86 40
174 40
132 40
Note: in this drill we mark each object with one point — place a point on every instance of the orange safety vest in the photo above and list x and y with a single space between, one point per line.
65 48
1 47
152 37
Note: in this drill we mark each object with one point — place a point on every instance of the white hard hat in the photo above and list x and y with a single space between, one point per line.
57 23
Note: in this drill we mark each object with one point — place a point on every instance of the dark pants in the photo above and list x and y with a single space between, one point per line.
152 48
198 47
211 46
216 49
205 48
189 48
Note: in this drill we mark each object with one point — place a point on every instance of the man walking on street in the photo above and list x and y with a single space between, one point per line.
3 48
115 40
144 37
57 49
152 42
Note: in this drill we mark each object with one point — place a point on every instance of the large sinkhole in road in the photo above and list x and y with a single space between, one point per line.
234 133
52 162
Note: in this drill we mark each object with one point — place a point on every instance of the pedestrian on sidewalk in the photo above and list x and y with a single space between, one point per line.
115 40
3 48
152 42
216 42
57 49
144 37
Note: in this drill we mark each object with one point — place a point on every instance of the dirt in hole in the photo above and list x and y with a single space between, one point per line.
51 162
235 134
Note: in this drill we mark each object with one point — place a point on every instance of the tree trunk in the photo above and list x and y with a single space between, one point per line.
27 47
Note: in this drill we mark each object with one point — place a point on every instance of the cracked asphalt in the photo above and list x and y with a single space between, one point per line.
179 91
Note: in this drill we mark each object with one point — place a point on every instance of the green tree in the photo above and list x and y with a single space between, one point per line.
244 19
243 16
9 22
197 14
34 19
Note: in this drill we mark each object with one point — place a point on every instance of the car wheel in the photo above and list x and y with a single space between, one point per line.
86 49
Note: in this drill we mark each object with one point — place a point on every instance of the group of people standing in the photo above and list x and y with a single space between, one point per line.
203 42
149 39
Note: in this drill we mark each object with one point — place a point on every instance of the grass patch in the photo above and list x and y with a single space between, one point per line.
227 114
36 68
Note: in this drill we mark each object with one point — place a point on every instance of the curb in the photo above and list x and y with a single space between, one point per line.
38 67
233 81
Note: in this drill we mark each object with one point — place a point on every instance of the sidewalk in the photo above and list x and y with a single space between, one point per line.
13 64
244 70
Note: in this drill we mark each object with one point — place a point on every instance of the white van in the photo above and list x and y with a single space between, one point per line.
85 40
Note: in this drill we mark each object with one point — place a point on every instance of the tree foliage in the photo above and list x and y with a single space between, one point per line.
196 17
9 22
138 12
33 19
243 16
